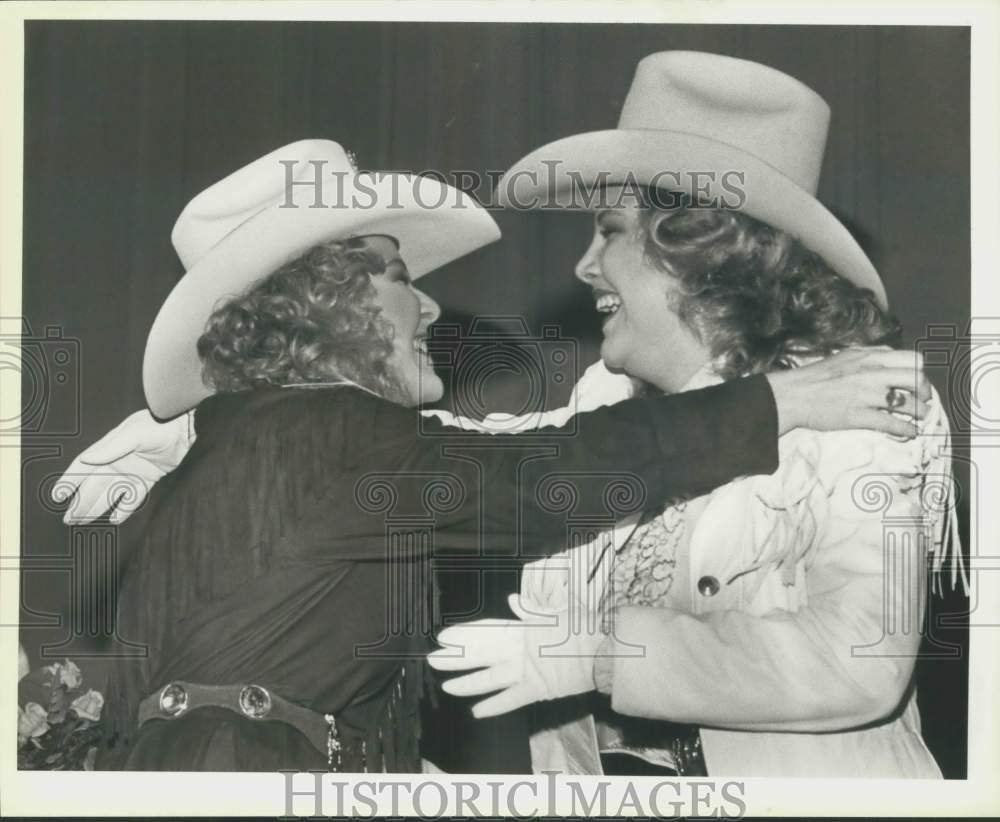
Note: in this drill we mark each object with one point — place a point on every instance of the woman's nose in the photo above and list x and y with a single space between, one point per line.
587 269
429 310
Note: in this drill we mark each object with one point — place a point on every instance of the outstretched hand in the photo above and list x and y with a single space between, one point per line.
119 469
876 388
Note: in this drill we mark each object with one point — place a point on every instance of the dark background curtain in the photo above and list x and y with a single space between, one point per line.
126 121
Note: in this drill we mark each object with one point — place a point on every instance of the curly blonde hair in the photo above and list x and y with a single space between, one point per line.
311 321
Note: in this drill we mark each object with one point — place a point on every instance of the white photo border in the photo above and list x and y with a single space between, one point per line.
131 794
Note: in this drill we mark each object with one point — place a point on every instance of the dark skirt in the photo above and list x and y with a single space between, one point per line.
217 739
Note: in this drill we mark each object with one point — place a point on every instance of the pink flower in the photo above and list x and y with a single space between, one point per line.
31 722
88 705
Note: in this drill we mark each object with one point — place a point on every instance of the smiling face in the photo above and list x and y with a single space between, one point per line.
643 336
410 312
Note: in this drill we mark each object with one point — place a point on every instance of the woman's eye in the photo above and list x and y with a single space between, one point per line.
400 275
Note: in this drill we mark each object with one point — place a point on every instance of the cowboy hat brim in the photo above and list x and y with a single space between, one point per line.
552 177
433 223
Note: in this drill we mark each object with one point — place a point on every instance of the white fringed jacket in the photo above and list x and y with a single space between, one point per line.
806 592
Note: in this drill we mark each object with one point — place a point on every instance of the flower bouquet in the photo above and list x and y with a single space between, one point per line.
61 731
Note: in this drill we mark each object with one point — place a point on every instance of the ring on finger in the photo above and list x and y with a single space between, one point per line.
894 398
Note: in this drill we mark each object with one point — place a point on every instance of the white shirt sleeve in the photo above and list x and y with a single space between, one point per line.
597 387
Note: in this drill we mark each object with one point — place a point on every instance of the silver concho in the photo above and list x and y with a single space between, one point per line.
255 701
173 699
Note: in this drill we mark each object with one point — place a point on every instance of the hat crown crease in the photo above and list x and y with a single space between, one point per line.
749 106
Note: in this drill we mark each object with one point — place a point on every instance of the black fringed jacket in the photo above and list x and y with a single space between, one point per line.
292 548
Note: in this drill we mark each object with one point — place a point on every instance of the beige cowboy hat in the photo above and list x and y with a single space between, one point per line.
244 227
743 127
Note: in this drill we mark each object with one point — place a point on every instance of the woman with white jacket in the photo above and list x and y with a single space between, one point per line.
771 627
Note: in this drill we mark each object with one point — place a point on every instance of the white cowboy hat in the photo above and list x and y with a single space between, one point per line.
273 210
694 112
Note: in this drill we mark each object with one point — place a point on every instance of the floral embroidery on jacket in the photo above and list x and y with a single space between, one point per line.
644 568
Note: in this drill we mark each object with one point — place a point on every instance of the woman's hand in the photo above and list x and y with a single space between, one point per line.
854 389
121 467
541 655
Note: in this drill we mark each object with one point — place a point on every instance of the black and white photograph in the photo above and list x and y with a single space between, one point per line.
593 409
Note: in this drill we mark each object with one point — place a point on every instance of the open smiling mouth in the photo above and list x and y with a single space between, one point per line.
607 303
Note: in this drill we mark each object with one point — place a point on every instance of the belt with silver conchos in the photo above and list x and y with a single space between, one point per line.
178 699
